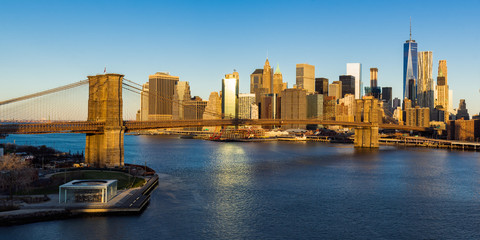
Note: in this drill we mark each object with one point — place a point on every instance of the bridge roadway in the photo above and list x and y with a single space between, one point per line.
131 126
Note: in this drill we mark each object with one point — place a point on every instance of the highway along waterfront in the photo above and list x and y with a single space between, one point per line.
282 190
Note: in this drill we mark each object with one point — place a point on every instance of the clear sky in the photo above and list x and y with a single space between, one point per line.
45 44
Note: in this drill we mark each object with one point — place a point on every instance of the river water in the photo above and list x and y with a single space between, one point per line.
282 190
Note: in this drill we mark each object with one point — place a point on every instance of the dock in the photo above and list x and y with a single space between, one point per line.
430 142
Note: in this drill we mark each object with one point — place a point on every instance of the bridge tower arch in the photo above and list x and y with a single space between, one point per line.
105 104
367 110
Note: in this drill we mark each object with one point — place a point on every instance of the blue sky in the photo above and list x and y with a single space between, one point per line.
45 44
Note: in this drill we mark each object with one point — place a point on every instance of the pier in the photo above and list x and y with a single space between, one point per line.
429 142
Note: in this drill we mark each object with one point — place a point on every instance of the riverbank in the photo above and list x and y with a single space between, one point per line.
129 201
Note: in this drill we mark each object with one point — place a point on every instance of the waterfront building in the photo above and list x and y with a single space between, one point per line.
278 84
462 111
329 107
294 106
438 114
230 88
245 101
418 116
335 89
355 69
181 94
373 77
270 106
410 69
254 111
87 191
464 130
305 77
315 106
348 84
425 90
321 86
160 96
144 103
194 108
213 110
345 109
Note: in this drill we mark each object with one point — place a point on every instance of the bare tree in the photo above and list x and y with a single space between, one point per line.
15 174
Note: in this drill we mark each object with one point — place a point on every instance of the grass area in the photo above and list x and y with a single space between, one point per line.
125 180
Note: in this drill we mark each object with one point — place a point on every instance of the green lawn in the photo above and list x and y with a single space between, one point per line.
125 180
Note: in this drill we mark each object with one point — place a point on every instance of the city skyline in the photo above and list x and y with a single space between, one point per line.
69 41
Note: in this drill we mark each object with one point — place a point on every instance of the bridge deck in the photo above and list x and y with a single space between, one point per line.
97 127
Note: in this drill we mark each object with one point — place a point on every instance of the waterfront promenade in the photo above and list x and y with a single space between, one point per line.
129 201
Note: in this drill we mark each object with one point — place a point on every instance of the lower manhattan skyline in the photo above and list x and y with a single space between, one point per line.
52 44
182 119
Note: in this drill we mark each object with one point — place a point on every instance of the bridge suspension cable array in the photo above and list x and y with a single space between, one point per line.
56 104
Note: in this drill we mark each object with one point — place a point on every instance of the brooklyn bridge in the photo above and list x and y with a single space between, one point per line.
105 125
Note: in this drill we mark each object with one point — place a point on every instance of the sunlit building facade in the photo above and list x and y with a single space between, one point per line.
355 69
305 77
230 91
160 96
425 90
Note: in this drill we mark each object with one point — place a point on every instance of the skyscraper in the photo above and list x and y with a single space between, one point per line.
306 77
245 101
355 69
256 80
410 69
348 84
373 77
321 85
294 106
181 94
160 95
267 77
335 90
425 90
230 95
462 111
387 100
442 88
278 84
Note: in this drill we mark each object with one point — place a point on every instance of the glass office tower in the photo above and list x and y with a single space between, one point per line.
230 95
410 70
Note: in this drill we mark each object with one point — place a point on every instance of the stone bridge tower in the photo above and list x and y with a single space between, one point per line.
105 104
368 111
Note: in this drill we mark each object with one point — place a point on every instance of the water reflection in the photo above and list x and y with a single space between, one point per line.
231 198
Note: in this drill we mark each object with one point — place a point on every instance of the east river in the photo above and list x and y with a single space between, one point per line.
282 190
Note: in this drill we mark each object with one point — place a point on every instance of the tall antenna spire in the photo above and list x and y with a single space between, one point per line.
410 28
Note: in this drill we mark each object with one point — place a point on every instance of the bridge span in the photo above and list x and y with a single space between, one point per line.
105 126
133 126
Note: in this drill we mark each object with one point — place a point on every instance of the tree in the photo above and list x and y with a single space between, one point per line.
15 174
